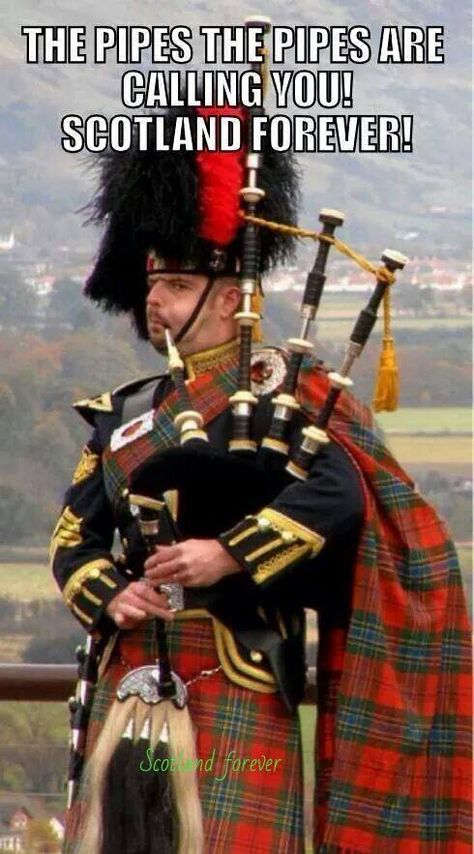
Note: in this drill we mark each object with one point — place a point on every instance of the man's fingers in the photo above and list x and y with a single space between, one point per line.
129 615
163 554
192 563
165 573
127 610
146 593
150 608
139 602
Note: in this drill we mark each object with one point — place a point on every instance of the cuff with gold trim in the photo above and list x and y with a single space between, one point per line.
90 589
269 543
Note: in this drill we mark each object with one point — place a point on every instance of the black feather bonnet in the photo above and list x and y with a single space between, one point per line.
181 205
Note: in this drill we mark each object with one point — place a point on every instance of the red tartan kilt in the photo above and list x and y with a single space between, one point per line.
245 810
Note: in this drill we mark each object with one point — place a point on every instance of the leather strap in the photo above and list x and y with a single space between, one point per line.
196 310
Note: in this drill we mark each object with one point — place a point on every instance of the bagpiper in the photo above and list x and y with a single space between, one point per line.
247 483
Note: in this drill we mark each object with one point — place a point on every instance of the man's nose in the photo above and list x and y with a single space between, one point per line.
155 293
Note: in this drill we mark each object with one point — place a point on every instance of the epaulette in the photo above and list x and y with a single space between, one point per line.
89 406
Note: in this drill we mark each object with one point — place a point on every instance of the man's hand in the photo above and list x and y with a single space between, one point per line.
192 563
136 603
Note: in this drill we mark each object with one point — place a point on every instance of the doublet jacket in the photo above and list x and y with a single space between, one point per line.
295 551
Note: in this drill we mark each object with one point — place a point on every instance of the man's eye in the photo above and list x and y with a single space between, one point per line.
179 286
152 279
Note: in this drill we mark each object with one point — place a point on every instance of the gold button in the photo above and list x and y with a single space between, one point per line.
94 573
263 524
256 656
288 537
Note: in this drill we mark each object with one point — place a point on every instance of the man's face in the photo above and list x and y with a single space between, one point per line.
171 299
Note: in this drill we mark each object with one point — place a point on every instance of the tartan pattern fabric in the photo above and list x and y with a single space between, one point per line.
394 693
209 393
247 811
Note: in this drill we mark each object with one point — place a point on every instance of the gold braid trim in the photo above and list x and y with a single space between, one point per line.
263 550
91 571
280 561
381 273
237 670
281 523
90 596
243 535
67 533
199 363
86 466
82 616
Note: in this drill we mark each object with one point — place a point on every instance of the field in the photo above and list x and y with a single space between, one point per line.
12 647
432 450
26 581
24 554
440 419
336 329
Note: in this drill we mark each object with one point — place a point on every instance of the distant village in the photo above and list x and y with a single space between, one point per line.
423 273
25 825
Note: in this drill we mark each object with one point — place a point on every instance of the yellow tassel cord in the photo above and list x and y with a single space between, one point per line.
257 307
387 385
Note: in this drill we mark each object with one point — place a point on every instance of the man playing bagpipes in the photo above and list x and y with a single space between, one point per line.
171 256
247 484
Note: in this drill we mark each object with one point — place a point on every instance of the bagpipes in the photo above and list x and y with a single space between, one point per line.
150 710
248 468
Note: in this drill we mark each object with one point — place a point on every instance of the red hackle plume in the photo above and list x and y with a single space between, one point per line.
221 176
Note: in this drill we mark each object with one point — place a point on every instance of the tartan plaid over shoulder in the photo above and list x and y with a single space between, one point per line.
394 742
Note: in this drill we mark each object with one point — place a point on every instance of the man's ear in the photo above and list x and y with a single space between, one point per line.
230 296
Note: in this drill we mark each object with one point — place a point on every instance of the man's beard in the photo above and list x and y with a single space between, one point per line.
158 344
157 339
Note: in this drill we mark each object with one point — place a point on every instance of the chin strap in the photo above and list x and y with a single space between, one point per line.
196 310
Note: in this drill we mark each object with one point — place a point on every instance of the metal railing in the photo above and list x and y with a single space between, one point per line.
57 682
48 682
